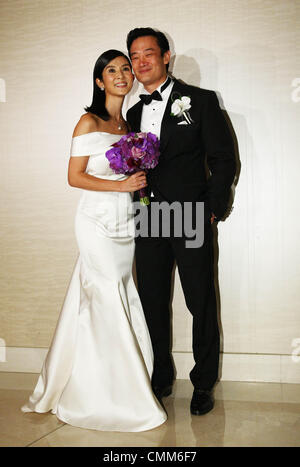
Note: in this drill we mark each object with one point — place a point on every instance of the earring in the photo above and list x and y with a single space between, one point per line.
102 89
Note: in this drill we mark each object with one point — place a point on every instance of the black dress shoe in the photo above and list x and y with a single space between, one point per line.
202 402
162 391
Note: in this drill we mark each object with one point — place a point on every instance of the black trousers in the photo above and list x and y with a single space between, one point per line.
155 259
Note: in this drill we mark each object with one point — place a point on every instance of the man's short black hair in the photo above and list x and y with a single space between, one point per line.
162 41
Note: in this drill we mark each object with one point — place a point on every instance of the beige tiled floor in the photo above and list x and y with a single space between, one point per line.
245 414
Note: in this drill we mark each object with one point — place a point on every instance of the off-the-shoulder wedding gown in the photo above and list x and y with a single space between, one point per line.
97 373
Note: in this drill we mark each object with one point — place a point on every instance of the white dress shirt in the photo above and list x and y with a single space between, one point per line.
152 114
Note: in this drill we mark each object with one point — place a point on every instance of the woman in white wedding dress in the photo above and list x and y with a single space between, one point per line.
97 373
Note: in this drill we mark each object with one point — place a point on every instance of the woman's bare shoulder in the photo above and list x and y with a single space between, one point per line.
86 124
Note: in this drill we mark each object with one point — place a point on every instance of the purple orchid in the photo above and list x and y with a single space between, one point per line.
132 153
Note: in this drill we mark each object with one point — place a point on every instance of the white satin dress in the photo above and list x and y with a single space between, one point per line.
97 372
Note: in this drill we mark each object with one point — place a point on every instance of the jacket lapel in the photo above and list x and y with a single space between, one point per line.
167 124
136 118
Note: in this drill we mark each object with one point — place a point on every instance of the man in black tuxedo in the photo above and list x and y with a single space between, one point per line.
186 141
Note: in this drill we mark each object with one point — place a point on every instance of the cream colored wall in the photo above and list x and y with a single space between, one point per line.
248 51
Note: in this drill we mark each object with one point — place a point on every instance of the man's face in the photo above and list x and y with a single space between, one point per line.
148 65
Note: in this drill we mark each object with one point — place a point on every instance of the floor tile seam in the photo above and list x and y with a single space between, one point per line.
263 354
45 435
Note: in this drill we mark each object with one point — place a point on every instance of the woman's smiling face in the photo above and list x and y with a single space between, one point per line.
117 77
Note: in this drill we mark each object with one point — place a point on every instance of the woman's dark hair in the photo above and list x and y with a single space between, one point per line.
97 106
162 41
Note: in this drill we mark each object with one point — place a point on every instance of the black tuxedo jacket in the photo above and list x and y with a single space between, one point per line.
181 174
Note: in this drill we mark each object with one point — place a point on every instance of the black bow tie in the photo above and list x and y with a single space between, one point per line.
147 98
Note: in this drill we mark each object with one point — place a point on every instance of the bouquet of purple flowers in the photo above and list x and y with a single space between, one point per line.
132 153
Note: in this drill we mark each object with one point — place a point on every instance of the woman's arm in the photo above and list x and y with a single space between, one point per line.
77 177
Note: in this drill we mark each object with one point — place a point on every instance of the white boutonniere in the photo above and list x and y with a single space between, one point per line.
180 108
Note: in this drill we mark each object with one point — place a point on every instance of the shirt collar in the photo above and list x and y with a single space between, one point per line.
164 93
